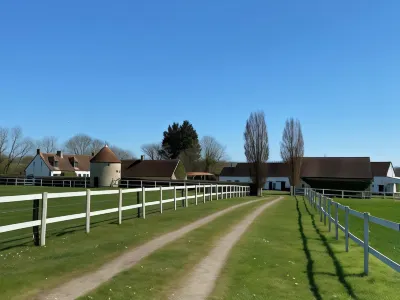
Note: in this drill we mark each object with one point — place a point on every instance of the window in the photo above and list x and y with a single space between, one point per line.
237 181
56 163
75 164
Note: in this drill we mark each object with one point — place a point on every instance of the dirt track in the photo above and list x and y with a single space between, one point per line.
84 284
201 281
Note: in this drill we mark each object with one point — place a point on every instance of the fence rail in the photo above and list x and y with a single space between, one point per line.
81 182
209 191
324 205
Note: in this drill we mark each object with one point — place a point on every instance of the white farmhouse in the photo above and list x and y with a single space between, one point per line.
384 178
58 164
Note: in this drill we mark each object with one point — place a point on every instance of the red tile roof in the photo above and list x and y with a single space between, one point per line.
105 155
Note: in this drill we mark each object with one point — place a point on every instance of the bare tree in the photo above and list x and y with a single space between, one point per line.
153 151
3 143
19 147
47 144
292 149
256 148
79 144
212 152
96 145
122 153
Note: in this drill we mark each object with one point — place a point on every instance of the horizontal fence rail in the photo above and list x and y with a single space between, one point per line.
324 206
208 192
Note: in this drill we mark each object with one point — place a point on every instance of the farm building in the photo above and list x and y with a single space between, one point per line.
153 169
385 179
341 173
105 168
58 164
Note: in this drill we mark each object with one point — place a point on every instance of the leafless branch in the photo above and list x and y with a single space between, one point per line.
79 144
48 144
152 151
213 152
292 149
256 148
18 148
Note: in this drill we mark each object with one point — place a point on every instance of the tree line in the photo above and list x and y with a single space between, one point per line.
16 150
256 148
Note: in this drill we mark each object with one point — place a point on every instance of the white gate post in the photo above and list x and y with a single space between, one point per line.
144 202
175 197
329 215
216 187
120 207
186 196
88 211
366 242
346 228
44 218
195 194
337 221
161 200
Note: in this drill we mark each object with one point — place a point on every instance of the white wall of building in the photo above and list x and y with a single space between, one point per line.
82 173
387 182
391 171
37 168
276 181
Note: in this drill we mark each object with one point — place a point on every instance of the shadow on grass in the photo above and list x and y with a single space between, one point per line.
338 267
310 262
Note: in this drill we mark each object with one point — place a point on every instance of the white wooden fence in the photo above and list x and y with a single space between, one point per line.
351 194
324 206
219 191
81 182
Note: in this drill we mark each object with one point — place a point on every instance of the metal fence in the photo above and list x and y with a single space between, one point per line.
324 206
211 192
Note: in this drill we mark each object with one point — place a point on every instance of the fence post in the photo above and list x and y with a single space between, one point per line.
143 202
120 207
87 211
44 218
366 242
325 210
323 191
195 194
204 194
35 217
337 221
320 208
175 197
141 183
16 181
155 183
346 228
342 194
186 196
216 188
329 215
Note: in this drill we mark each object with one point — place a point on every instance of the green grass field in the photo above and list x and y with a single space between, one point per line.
289 254
385 240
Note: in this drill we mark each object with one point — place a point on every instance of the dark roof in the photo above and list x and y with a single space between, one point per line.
227 171
148 168
65 163
336 167
380 168
105 155
313 167
243 170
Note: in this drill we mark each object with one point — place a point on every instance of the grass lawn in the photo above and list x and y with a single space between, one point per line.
69 251
289 254
16 212
156 276
385 240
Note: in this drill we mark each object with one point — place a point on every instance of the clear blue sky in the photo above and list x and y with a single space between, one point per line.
123 70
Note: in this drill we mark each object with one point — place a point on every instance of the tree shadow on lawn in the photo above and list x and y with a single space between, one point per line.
338 267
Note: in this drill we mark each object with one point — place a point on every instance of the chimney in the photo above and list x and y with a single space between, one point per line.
142 158
59 153
37 151
92 153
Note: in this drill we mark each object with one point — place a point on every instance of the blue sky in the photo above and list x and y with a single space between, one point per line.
123 70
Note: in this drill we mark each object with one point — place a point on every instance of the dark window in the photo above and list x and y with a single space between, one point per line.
56 163
381 188
75 164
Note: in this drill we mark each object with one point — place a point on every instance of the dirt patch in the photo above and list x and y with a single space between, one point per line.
84 284
200 282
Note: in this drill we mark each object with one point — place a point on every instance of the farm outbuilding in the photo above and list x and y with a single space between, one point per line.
105 168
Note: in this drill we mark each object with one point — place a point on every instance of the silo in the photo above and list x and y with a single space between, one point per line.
105 169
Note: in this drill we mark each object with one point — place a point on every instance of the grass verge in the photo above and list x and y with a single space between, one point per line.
289 254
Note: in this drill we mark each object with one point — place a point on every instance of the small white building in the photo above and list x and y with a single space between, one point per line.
58 164
277 175
384 178
105 168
